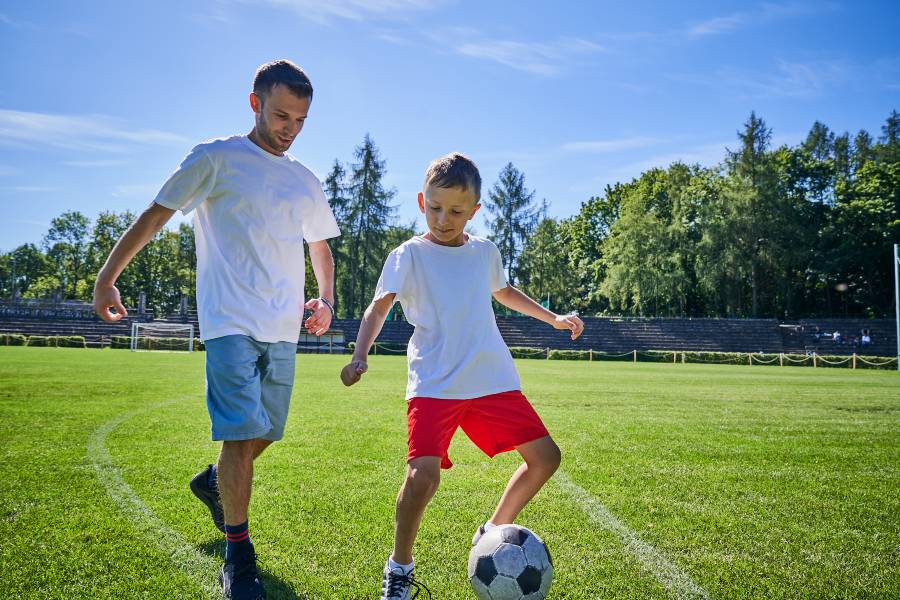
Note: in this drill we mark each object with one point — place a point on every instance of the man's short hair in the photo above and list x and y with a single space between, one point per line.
281 72
455 170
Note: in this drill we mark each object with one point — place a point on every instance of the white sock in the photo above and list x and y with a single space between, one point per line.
488 526
406 568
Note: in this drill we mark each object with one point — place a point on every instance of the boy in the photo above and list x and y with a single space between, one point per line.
461 373
253 207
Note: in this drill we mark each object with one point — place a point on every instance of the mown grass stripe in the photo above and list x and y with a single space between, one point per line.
676 581
198 566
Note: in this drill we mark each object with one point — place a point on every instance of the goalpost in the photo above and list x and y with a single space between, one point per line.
162 336
897 297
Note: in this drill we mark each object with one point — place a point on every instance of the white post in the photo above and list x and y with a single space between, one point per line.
897 297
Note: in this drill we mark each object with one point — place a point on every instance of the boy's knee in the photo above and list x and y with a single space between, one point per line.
422 482
548 459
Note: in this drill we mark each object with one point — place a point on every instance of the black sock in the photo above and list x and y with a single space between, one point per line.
237 542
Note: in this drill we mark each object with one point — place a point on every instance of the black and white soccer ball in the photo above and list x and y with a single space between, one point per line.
510 562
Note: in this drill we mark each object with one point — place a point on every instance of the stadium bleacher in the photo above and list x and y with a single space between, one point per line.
607 334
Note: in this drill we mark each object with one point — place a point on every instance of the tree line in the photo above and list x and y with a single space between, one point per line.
786 232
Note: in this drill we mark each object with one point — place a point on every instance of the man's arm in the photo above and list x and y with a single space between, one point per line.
323 268
137 236
512 298
369 328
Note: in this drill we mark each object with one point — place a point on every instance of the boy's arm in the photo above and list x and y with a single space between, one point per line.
323 267
512 298
369 328
137 236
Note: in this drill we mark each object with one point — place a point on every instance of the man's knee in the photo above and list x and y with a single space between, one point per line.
240 450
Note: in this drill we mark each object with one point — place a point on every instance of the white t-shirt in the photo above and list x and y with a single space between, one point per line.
456 351
252 211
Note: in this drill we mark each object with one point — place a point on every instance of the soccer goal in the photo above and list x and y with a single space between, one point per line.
162 336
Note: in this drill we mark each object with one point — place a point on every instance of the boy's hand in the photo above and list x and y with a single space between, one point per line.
353 372
107 297
320 320
570 322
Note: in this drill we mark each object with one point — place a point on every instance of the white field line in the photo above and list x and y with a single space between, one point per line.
676 581
198 566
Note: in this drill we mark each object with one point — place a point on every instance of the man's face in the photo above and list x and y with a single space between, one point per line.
447 210
280 115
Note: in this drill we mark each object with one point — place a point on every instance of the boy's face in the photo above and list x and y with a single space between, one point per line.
447 210
279 118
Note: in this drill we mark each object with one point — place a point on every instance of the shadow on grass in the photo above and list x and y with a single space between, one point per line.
276 588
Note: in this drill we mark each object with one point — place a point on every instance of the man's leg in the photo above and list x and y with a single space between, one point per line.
542 458
234 472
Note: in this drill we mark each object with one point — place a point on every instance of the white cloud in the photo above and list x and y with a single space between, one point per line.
94 164
600 146
546 59
146 191
91 132
354 10
716 25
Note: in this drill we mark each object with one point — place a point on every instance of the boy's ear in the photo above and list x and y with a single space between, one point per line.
421 199
474 210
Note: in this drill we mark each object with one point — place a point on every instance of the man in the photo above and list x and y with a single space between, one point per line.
253 206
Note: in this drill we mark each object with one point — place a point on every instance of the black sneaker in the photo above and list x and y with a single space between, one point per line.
397 585
209 496
241 581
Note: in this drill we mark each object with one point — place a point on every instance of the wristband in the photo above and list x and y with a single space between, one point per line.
329 305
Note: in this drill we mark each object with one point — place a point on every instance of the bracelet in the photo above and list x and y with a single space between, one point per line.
328 304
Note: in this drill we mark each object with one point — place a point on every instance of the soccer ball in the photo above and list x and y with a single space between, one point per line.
510 562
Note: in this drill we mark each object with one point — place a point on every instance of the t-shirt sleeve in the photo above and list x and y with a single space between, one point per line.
319 224
395 276
495 269
190 184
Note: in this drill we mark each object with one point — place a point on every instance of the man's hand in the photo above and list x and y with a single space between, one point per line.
570 322
107 297
353 372
319 322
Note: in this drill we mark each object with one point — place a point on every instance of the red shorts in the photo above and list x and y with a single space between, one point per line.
496 423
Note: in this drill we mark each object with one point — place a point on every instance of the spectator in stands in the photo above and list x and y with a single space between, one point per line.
836 336
866 338
818 333
254 207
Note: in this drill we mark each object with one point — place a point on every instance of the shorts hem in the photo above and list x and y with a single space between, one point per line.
239 437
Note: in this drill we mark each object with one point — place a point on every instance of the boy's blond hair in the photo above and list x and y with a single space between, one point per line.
455 170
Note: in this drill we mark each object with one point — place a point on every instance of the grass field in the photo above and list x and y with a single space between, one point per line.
750 482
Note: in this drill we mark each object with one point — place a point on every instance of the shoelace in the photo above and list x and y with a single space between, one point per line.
396 583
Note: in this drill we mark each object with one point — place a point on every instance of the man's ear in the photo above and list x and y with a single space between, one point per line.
421 199
255 102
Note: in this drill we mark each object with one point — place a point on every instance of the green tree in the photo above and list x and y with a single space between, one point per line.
66 246
368 214
510 204
543 269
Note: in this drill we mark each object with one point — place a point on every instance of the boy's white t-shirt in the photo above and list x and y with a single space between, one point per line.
252 211
456 350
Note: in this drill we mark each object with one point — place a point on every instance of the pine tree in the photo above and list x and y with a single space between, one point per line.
369 213
510 204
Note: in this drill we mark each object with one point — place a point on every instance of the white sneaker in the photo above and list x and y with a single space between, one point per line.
478 533
397 585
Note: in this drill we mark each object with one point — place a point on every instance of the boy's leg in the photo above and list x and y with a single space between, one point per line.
542 458
423 475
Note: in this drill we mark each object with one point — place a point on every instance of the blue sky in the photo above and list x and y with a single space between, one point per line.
101 100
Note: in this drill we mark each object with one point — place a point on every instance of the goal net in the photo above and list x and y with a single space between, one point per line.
162 336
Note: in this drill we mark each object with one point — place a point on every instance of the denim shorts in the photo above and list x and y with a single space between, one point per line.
248 387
